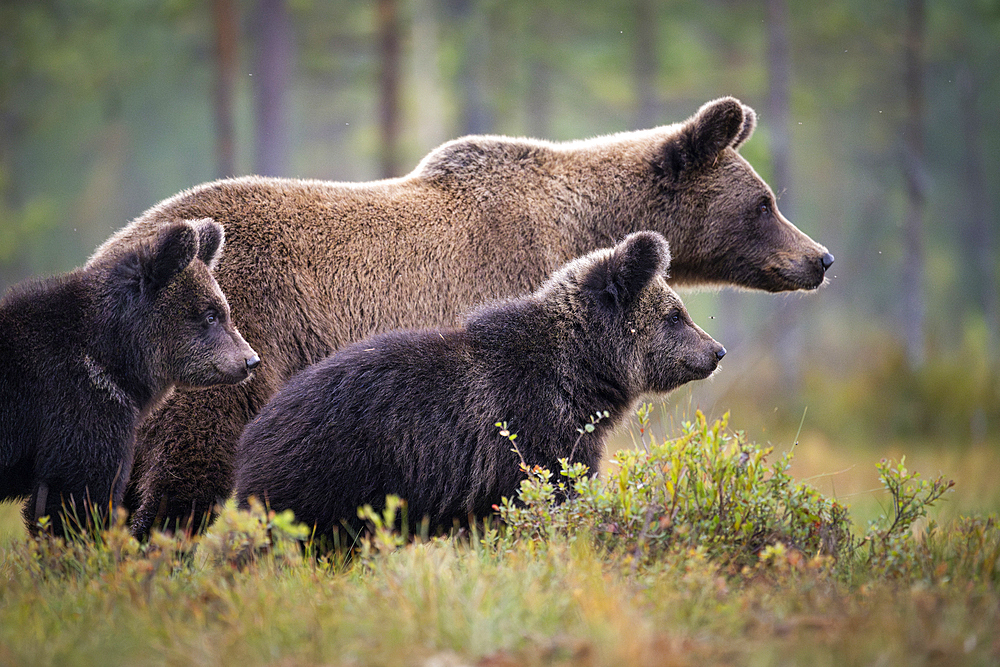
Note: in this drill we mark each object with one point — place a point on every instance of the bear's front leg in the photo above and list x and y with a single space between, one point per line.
187 451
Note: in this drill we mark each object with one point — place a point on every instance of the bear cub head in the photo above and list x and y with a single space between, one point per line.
176 308
630 320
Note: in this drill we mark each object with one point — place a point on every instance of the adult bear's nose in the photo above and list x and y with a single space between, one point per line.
721 353
827 260
253 362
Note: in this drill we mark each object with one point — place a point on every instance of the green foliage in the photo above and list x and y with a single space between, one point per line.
711 492
729 567
889 541
968 550
383 536
946 399
708 489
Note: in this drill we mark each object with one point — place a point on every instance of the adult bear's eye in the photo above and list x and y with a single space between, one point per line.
764 209
211 318
675 318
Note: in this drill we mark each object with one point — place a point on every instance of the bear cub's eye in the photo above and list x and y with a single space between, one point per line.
764 209
674 318
211 318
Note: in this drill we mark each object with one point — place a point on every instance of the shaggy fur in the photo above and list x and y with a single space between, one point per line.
413 413
86 355
311 266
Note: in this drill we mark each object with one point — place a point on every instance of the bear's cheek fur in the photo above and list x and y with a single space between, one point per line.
678 355
196 353
736 243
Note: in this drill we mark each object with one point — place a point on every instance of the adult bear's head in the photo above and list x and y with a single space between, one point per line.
730 227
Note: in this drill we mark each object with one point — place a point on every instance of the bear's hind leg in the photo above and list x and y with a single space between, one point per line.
188 451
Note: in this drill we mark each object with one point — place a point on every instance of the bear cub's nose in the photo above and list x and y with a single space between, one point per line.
253 362
827 260
721 353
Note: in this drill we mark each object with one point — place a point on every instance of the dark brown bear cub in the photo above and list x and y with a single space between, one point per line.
85 356
413 413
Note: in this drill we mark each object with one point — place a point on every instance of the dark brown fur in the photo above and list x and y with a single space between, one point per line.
413 413
85 356
311 266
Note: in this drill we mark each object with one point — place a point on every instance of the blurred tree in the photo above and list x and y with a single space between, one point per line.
538 97
429 123
388 37
916 185
226 23
471 20
273 67
980 237
779 77
647 112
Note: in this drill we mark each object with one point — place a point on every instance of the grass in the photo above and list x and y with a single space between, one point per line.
518 596
447 603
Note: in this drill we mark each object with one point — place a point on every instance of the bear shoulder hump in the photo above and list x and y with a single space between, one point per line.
468 156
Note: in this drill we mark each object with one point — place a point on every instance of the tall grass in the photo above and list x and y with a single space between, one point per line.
555 586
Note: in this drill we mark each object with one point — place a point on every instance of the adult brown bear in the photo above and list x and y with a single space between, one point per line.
311 265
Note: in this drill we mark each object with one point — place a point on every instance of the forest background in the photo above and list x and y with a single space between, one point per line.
877 122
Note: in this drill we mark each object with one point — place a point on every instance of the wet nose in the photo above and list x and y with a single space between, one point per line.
827 260
253 362
721 353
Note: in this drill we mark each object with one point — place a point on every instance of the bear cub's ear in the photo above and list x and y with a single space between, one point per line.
719 124
616 279
174 249
211 239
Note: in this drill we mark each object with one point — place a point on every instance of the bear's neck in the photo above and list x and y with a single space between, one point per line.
607 195
116 359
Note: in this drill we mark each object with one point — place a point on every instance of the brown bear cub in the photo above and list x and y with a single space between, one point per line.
86 355
413 412
311 266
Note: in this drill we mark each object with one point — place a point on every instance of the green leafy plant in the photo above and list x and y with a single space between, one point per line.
383 536
888 546
708 489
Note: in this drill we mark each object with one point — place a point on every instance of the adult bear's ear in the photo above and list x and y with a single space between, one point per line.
211 239
749 125
174 249
616 278
719 124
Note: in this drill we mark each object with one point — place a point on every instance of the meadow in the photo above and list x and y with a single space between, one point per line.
695 546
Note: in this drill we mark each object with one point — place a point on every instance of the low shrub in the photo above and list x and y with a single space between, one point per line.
711 491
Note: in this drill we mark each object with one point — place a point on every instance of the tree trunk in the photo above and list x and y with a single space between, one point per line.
539 102
916 186
646 66
979 236
226 39
430 127
787 314
272 76
473 23
779 75
388 37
